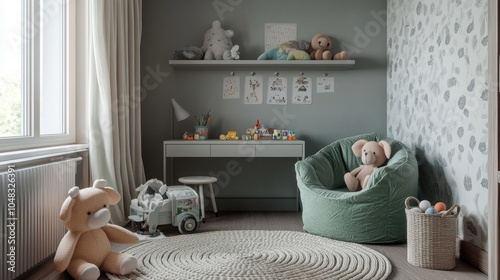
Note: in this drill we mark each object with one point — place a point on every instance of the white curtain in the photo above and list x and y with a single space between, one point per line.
114 98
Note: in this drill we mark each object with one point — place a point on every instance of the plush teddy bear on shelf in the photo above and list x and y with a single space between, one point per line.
85 249
321 46
372 155
217 44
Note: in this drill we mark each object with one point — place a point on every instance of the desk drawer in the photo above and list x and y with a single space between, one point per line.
188 150
233 150
278 150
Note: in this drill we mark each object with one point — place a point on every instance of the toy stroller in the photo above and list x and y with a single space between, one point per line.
157 204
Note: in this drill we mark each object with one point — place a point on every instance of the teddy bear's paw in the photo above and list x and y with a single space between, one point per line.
128 265
327 55
343 55
91 272
351 182
227 55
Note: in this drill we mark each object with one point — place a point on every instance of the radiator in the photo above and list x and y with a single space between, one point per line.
31 222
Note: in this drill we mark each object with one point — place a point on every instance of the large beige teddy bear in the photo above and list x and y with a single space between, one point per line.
86 248
217 44
372 155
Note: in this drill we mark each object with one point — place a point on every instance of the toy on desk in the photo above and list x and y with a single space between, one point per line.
277 134
257 131
158 204
246 137
231 135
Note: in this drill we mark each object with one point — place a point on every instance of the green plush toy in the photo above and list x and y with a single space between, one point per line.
217 44
288 50
298 55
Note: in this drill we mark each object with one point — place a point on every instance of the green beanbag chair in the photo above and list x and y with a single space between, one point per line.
373 215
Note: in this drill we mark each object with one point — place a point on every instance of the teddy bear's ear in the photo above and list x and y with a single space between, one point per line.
100 183
230 33
357 147
68 204
113 195
387 148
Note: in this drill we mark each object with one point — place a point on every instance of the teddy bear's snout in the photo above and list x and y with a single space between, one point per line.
368 158
99 219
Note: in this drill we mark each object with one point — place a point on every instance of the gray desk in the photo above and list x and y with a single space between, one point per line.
239 149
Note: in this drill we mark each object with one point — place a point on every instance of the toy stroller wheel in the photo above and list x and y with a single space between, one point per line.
188 224
153 229
136 226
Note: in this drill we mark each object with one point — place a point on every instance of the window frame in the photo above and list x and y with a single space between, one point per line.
31 106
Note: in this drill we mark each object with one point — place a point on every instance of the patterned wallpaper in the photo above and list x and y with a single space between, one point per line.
438 98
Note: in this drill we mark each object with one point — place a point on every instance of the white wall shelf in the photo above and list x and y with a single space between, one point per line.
261 64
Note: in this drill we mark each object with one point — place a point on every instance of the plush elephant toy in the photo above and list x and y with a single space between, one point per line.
85 250
372 155
217 44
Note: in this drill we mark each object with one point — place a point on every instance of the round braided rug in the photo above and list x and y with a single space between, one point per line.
255 254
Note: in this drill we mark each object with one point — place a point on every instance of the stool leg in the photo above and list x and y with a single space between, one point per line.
212 196
202 202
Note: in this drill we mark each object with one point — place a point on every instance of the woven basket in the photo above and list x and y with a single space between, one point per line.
431 238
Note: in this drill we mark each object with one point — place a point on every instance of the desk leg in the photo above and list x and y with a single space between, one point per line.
164 168
169 167
202 202
298 192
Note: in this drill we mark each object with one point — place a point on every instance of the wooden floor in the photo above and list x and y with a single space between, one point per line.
293 221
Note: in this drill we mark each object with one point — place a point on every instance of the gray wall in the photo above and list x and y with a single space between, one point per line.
357 106
438 101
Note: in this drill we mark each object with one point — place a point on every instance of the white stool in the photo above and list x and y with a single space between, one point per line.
200 181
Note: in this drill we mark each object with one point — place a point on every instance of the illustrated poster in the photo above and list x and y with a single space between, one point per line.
324 84
277 33
301 90
231 88
277 91
253 90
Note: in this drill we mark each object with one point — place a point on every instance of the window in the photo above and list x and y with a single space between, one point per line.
36 92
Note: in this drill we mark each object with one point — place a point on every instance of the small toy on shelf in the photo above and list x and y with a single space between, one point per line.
217 44
289 50
188 53
321 46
